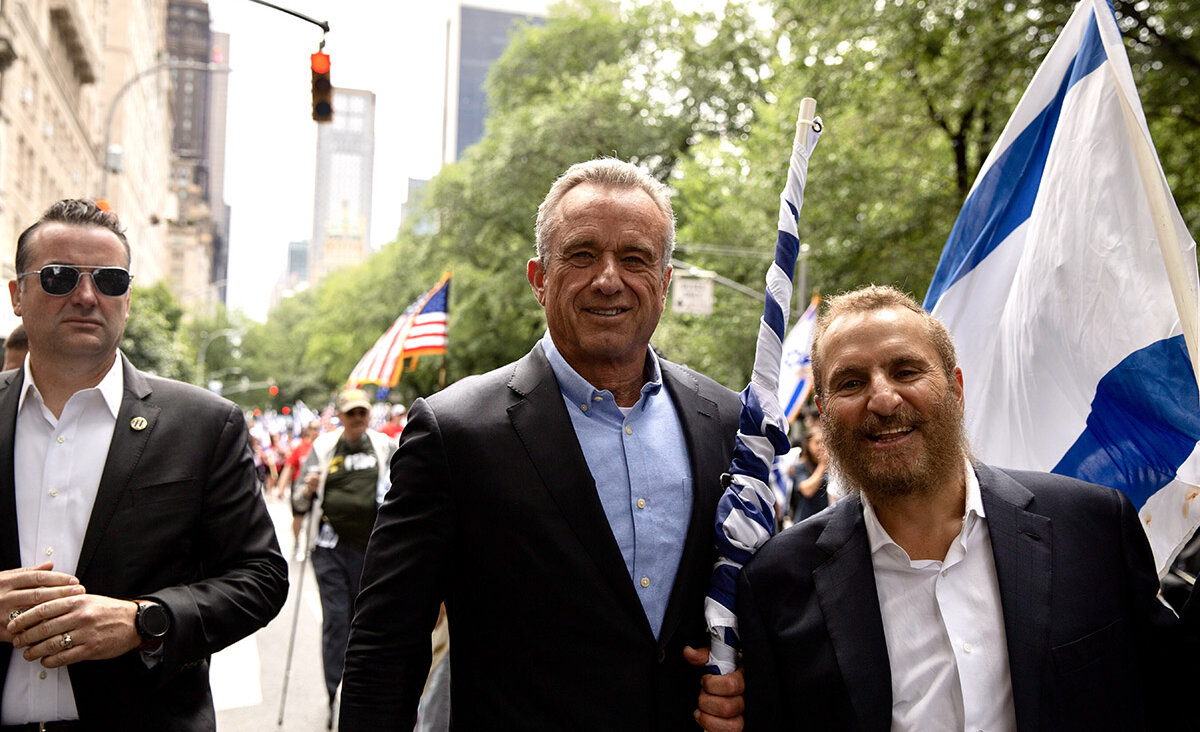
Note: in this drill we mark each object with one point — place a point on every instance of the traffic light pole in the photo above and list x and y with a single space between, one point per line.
322 24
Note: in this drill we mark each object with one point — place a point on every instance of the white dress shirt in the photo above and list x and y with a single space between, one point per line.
944 628
56 470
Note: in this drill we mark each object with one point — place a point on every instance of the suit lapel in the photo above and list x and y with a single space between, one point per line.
129 439
845 585
1021 547
10 547
539 412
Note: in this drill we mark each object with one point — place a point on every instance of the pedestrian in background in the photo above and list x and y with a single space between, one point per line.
345 478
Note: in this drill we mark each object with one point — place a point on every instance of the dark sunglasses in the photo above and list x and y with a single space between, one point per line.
61 279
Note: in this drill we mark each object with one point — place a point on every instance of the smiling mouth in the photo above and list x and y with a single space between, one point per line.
890 435
607 312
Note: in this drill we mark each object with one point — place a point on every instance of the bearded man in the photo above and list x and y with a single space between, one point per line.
944 594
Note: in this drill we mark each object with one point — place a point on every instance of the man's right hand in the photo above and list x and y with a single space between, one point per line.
21 589
310 484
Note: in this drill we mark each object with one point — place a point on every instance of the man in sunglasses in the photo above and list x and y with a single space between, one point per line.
134 541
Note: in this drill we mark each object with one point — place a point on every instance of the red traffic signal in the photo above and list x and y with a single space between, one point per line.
322 88
273 390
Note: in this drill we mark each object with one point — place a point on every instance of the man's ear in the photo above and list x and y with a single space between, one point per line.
536 274
14 294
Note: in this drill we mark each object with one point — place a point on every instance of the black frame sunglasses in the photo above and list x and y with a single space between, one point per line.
62 279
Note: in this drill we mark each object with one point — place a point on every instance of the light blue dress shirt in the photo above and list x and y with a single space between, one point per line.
639 460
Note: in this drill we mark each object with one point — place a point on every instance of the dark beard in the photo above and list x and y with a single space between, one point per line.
884 480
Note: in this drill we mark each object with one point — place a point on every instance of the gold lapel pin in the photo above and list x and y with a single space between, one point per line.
138 423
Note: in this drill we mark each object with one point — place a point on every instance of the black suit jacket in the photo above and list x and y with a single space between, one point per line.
1089 646
178 518
493 509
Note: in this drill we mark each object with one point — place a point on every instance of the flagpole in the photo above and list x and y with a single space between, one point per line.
1160 211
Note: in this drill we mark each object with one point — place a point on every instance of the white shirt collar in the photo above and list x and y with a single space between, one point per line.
111 387
878 536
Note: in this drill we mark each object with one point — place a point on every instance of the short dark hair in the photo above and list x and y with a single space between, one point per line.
17 339
879 297
74 212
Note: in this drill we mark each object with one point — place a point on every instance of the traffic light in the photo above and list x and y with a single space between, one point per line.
322 88
273 391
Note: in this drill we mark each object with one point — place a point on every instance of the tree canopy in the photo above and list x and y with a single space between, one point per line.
913 94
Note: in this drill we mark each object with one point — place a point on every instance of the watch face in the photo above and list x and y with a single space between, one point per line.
153 620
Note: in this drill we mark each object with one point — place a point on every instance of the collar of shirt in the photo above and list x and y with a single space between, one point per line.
577 390
881 541
111 387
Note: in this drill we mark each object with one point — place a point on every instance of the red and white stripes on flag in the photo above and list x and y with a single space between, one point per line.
420 331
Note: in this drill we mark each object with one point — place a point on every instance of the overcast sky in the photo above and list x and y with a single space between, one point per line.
395 49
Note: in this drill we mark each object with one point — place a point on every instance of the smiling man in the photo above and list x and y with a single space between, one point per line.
562 506
944 594
134 541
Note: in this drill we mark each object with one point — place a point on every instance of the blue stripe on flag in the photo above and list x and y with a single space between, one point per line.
1144 423
1014 178
773 316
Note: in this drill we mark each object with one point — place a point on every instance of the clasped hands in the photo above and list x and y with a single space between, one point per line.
52 616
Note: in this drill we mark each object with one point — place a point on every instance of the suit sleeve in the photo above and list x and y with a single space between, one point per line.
244 576
403 584
762 683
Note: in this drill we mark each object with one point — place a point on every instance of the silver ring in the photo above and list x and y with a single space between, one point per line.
66 641
14 614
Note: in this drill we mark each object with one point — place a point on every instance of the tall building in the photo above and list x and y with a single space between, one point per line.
477 35
345 170
198 250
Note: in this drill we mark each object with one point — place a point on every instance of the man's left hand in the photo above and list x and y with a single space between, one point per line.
721 704
99 627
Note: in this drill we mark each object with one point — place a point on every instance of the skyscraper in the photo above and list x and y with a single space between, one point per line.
345 170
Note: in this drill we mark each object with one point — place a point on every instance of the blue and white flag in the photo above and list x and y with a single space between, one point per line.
1069 285
795 369
746 510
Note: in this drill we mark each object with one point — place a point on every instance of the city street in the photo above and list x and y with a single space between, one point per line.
247 677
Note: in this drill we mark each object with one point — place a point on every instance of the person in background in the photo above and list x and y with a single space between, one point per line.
345 477
135 542
293 487
810 492
15 348
395 424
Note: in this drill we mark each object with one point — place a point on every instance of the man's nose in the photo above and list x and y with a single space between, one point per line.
85 289
882 398
608 274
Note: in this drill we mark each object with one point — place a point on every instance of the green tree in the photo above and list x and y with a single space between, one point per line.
151 339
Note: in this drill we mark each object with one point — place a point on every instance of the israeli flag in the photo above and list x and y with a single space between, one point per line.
795 369
1069 284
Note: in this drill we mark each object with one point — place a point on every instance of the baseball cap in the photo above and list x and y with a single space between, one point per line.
352 399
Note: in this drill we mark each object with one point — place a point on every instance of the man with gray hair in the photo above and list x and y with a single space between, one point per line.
562 506
944 594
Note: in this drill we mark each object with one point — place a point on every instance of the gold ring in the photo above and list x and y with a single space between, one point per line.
66 641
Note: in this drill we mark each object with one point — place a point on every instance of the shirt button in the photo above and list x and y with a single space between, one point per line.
583 407
53 492
61 439
42 675
967 647
628 430
49 550
645 582
945 572
641 503
597 399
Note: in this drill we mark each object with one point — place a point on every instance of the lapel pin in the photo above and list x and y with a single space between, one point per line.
138 423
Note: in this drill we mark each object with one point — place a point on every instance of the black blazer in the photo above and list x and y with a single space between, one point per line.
1089 645
178 518
494 510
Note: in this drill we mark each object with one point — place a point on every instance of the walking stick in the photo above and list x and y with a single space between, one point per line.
310 539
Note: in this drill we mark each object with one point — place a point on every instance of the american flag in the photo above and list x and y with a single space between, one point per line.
419 331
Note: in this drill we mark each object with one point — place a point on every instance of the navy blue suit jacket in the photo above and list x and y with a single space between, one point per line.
1089 645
